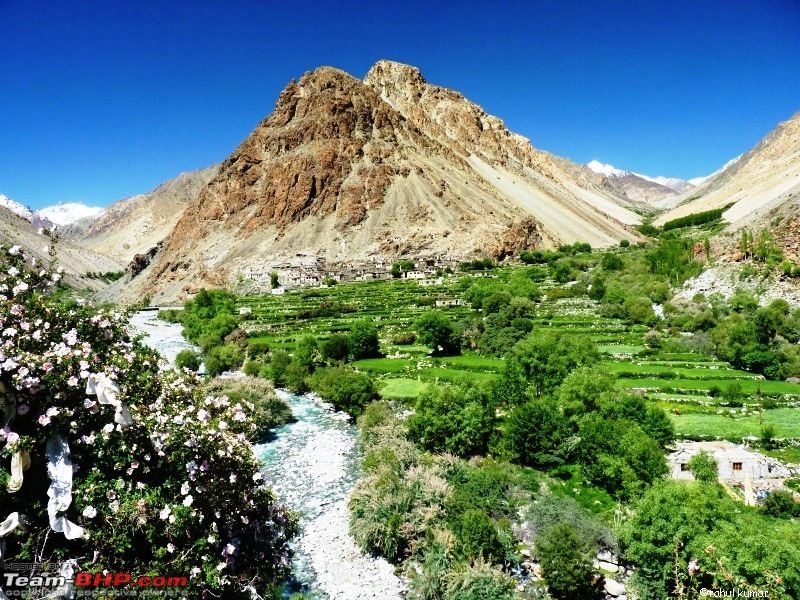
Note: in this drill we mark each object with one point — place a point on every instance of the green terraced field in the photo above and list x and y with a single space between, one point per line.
677 381
785 420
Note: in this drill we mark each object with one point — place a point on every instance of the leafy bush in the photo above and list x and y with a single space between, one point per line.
479 581
336 348
258 350
81 387
188 359
406 338
223 358
704 467
252 368
345 389
477 536
612 262
780 504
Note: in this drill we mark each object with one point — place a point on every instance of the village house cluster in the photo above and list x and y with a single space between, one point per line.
305 270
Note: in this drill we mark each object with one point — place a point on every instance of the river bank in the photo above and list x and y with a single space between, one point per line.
312 465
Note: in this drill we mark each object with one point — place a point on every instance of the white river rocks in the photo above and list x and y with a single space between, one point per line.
312 464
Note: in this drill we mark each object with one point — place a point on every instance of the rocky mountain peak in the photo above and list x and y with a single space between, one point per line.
388 78
345 170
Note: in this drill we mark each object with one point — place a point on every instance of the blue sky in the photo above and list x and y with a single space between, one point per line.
103 100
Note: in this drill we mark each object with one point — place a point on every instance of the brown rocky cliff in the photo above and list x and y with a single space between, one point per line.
296 163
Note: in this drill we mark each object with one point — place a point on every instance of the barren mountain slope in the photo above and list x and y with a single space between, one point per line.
758 184
77 262
134 225
341 173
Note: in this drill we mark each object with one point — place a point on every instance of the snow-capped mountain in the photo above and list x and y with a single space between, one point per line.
65 213
607 170
673 183
62 213
16 207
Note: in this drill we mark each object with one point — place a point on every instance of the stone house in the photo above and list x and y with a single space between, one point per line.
735 464
449 302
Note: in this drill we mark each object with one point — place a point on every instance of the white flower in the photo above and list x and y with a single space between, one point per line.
185 488
188 501
89 512
170 547
194 572
108 427
165 513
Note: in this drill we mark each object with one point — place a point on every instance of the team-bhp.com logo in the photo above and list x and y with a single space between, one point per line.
88 585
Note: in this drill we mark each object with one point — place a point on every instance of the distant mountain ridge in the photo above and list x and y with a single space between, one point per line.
762 187
135 225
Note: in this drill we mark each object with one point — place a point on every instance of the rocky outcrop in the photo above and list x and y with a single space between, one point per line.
141 261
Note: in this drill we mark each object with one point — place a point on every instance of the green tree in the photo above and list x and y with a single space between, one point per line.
352 392
640 310
273 280
459 419
597 291
307 353
612 262
533 433
582 389
547 358
336 348
363 340
434 329
566 563
279 361
780 504
210 314
296 377
477 536
768 436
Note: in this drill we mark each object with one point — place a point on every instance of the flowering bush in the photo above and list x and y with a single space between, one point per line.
164 479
